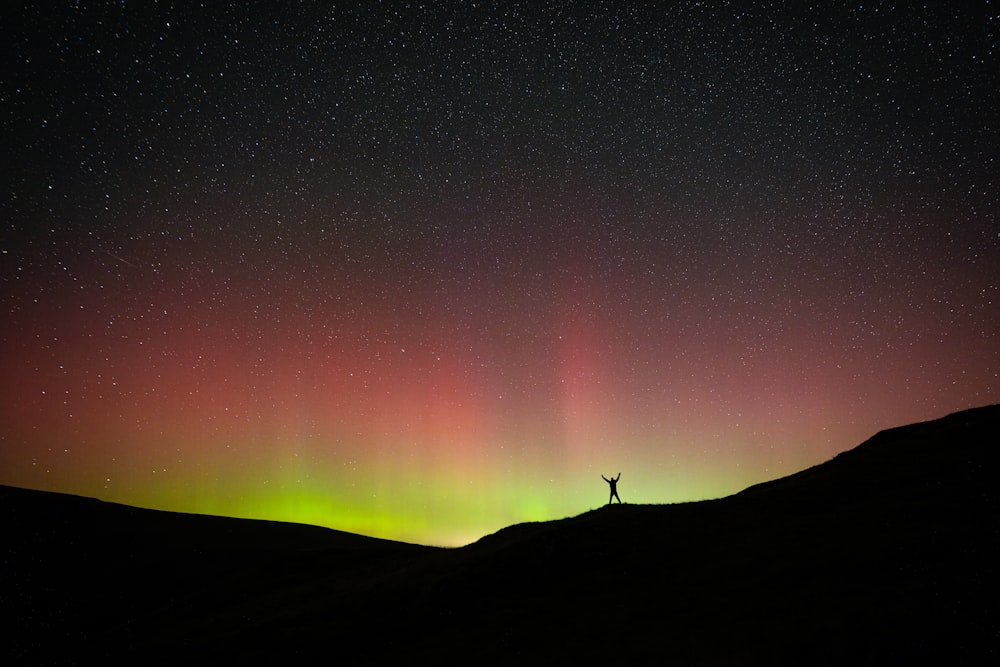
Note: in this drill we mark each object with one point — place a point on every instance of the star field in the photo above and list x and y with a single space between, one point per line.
423 271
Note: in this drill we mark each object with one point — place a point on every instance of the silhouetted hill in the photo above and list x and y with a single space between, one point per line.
884 555
74 567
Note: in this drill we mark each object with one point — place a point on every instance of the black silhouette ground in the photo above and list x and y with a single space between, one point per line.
884 555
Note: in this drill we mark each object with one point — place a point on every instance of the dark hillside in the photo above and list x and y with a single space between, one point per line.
75 568
884 555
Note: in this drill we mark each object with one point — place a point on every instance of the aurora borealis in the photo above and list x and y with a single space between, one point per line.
421 272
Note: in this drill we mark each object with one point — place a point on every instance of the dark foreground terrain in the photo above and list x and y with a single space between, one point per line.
885 555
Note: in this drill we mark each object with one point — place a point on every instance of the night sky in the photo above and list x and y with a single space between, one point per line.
422 273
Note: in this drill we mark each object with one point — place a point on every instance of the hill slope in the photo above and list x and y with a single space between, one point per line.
884 555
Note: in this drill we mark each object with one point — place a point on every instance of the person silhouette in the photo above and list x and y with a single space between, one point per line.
614 488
